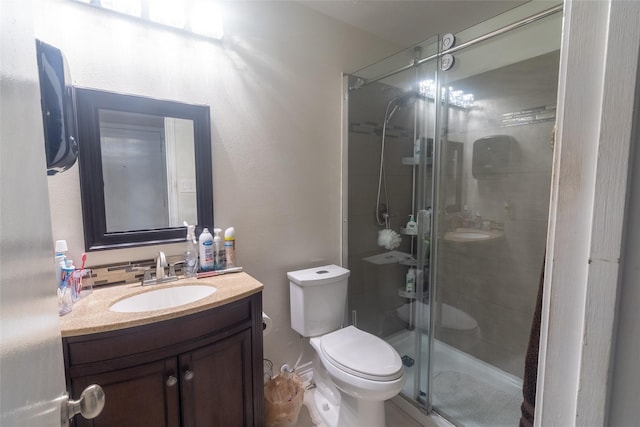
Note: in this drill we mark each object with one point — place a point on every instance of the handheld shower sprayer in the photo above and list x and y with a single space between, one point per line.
394 104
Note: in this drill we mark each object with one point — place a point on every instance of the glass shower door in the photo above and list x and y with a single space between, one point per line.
493 179
390 165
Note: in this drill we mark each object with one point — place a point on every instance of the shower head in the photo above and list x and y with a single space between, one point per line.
401 101
407 98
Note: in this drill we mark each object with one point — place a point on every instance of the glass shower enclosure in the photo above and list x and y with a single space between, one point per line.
449 155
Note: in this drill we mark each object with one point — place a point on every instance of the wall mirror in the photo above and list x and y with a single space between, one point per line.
145 168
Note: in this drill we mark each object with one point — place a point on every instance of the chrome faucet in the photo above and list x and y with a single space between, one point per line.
160 276
161 263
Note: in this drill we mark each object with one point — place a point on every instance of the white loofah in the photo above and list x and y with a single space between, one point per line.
389 239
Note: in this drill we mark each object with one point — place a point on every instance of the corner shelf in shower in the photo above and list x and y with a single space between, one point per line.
412 161
404 294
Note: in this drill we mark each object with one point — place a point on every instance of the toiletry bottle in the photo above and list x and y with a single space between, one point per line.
206 250
230 246
60 259
219 257
412 226
410 284
416 150
191 253
65 289
466 217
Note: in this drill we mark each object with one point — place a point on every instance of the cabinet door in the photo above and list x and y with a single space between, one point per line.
142 396
217 384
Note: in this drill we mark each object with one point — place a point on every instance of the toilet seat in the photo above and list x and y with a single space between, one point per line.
361 354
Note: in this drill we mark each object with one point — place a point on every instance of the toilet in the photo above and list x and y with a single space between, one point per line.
354 371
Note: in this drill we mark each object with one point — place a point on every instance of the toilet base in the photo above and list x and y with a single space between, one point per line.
326 412
361 413
350 412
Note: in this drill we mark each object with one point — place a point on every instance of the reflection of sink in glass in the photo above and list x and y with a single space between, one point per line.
159 299
472 235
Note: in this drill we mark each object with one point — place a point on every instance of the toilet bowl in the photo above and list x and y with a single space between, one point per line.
454 326
367 371
354 371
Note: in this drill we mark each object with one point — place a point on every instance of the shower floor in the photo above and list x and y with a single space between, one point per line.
466 390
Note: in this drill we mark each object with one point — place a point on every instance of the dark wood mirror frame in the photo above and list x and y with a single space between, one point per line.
88 104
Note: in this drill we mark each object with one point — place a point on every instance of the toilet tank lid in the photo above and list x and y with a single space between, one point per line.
318 275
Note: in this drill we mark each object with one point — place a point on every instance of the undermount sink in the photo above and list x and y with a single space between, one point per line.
159 299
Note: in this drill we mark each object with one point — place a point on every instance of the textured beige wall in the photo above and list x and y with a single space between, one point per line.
274 86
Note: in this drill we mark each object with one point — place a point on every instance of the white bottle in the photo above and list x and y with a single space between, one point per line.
410 285
206 250
412 226
416 150
191 253
219 257
230 246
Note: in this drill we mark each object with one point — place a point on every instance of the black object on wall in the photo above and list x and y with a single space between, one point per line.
58 109
494 156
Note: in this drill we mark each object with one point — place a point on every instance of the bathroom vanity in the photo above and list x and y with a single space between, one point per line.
195 364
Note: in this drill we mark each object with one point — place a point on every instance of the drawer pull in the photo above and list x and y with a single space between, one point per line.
188 375
171 381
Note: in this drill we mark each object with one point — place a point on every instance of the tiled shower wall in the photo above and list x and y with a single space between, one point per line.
373 288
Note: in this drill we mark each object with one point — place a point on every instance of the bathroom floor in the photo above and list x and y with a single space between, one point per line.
396 417
466 390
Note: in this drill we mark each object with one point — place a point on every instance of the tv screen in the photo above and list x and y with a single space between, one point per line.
58 109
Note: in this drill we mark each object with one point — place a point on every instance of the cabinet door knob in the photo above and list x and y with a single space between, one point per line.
171 381
188 375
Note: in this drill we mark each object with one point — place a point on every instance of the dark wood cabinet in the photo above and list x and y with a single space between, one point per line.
200 370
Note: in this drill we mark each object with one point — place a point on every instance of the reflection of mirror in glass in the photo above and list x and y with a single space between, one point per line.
148 171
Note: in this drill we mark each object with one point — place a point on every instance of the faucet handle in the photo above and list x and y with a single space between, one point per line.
172 268
147 271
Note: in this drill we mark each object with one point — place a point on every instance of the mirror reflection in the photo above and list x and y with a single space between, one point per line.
145 169
148 170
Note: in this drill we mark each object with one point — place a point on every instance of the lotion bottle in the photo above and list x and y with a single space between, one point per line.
410 285
206 250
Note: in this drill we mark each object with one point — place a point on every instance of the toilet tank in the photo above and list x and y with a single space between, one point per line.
318 297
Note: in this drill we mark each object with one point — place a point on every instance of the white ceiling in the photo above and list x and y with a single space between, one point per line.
406 23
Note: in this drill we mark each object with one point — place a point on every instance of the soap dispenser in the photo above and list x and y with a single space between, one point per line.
412 226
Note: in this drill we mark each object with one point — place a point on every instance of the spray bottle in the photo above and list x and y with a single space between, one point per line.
230 246
191 252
